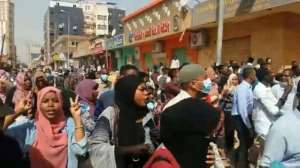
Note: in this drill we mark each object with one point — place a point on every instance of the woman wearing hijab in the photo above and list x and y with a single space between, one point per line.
51 139
23 90
40 81
87 90
119 139
226 104
4 85
68 91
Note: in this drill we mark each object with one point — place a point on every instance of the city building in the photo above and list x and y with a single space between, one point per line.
164 30
101 19
64 45
156 33
7 39
261 29
35 52
61 18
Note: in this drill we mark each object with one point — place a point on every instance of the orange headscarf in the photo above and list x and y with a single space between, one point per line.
50 147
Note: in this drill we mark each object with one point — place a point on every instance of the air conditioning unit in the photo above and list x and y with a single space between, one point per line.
158 47
199 39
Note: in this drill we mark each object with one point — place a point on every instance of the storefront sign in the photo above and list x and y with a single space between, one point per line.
160 21
206 12
163 27
115 42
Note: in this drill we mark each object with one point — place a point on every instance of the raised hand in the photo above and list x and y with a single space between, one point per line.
23 106
75 108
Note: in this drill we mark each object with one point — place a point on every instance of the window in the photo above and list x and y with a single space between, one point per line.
101 27
87 7
101 17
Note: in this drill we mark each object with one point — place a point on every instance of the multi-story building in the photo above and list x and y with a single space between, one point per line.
61 18
7 39
101 19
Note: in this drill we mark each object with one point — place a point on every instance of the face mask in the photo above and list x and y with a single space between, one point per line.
151 105
84 108
104 77
207 85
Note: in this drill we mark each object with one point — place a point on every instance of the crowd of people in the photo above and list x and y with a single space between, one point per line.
231 115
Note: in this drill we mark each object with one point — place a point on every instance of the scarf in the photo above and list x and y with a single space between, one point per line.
20 92
229 84
129 131
36 76
50 147
6 83
85 90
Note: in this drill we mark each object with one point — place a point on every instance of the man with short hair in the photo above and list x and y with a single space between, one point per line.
266 105
241 112
191 79
278 90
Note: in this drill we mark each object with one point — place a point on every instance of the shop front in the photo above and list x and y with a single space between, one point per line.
157 34
261 28
117 52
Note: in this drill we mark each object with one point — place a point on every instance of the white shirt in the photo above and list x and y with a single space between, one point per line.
265 109
282 143
278 91
181 96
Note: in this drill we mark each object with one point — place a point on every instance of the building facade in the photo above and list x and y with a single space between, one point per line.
101 19
61 18
7 39
156 33
260 29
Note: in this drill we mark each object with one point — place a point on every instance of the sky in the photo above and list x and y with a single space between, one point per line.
29 16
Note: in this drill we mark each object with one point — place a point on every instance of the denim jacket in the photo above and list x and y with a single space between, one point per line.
25 134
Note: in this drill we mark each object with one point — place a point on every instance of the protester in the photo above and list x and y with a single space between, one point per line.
4 85
119 137
186 129
87 90
282 143
68 91
10 153
279 89
103 81
40 81
51 140
191 79
266 106
106 99
241 112
21 91
226 104
171 89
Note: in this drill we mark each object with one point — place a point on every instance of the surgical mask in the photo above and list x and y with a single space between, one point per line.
207 85
104 77
84 108
151 105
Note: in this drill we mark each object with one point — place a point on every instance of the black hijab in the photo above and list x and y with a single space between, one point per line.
185 130
129 132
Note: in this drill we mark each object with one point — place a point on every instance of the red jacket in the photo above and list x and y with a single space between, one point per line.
162 158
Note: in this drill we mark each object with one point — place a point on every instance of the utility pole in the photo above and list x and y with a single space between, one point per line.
220 32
